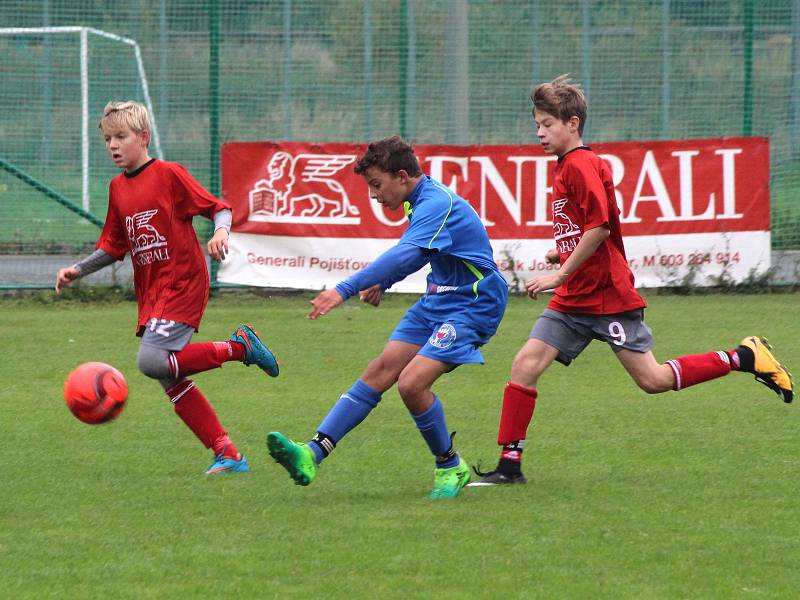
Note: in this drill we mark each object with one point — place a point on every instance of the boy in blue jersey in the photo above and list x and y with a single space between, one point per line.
465 301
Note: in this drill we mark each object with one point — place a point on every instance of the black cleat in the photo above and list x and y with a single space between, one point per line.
496 478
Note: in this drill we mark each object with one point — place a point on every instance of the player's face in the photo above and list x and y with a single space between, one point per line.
388 189
556 136
127 148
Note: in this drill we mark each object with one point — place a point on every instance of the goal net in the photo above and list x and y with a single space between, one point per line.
53 168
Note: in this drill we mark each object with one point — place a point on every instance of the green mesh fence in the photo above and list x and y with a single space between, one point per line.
433 71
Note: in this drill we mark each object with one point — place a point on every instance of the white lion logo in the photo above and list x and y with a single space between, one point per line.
562 224
319 199
141 234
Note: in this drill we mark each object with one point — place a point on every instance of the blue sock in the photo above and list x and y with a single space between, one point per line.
432 426
352 408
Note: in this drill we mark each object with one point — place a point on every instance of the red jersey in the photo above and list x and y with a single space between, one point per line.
150 215
583 198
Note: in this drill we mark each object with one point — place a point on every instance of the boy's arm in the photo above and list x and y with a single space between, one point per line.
223 219
218 244
372 295
552 256
86 266
590 194
393 265
590 241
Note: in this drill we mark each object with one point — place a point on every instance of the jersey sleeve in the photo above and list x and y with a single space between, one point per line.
427 226
114 238
191 198
397 263
587 187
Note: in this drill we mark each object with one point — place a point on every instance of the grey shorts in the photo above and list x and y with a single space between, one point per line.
570 333
166 334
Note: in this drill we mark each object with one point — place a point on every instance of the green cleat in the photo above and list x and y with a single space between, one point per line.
448 482
297 459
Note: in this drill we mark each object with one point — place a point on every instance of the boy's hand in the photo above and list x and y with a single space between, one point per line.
218 244
65 277
552 256
541 284
372 295
324 303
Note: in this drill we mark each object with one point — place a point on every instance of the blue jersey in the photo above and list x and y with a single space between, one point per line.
464 281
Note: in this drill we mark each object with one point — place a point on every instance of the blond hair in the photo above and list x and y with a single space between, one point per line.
129 114
562 99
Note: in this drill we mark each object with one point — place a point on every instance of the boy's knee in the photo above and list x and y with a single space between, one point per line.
406 387
526 368
380 374
411 387
522 361
153 362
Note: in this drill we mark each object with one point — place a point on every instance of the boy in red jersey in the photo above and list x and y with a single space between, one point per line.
150 209
594 291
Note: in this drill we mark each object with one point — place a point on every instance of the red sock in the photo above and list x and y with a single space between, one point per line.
736 363
697 368
196 358
193 408
223 445
518 405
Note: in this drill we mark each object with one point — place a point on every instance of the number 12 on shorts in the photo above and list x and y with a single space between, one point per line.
162 326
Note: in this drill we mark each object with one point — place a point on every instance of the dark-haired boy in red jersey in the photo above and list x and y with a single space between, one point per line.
150 210
594 290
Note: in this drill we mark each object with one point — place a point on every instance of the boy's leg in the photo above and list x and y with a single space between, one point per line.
301 460
190 404
245 346
554 336
414 386
200 417
203 356
519 403
753 355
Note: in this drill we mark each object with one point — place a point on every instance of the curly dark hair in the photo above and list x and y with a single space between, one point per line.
391 155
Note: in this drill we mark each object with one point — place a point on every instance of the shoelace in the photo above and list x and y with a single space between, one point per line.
478 472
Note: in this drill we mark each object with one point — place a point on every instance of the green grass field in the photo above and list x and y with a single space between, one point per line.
681 495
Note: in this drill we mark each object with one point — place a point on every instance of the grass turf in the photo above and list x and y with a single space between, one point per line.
685 494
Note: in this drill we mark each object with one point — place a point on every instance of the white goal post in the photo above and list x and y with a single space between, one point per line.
84 75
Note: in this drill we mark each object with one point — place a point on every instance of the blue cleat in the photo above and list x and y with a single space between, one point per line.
228 464
256 351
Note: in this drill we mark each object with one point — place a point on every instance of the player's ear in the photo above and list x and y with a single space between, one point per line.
574 124
145 135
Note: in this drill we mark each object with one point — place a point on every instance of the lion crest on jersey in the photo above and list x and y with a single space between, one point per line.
303 189
147 244
562 224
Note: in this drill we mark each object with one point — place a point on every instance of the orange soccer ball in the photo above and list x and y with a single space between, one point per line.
95 392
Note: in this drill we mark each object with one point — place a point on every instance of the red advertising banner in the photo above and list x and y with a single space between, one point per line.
298 193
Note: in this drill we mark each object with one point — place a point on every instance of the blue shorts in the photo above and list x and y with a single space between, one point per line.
456 341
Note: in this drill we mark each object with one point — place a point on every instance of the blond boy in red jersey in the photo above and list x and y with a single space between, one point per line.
594 290
150 210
